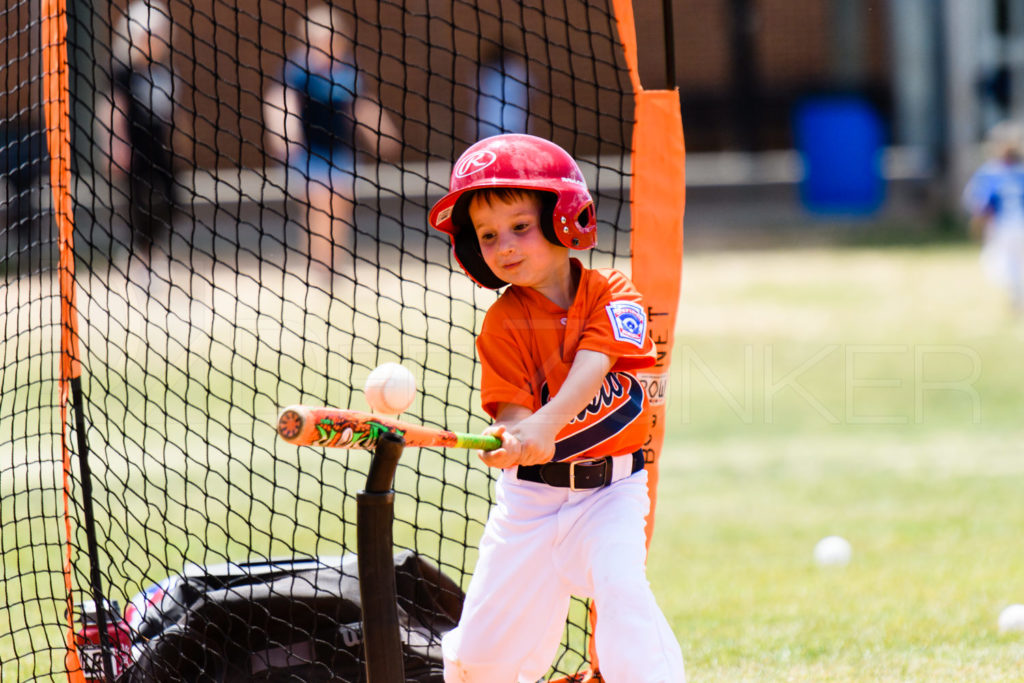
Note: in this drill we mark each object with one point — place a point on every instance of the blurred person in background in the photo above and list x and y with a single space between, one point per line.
141 121
994 197
24 163
315 113
503 96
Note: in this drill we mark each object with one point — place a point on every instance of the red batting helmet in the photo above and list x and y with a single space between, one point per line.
524 162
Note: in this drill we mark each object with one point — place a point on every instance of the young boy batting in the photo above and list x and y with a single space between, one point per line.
557 349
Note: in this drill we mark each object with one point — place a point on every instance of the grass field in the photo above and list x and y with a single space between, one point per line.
873 393
869 393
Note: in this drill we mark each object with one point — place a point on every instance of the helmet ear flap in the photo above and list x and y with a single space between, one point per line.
579 230
460 213
549 200
467 248
586 216
585 220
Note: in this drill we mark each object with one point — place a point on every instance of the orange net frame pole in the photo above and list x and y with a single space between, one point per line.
56 103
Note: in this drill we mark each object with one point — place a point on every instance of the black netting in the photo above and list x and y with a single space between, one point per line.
225 268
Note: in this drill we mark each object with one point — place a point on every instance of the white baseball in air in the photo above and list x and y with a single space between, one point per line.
390 389
833 551
1011 619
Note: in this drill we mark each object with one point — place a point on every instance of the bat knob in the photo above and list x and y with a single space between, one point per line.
289 424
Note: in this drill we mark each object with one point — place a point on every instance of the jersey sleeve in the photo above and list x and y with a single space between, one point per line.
505 374
616 322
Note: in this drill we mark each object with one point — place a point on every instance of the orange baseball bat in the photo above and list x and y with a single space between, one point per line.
340 428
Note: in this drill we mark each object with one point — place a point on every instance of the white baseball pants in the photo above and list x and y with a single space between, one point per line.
541 545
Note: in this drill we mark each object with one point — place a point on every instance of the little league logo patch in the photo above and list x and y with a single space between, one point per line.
629 322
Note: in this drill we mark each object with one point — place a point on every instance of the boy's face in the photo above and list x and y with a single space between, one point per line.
513 244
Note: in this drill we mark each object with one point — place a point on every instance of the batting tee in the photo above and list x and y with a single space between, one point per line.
141 386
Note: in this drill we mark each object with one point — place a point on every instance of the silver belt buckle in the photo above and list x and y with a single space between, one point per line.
572 472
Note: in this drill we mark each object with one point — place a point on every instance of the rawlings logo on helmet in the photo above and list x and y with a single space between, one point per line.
474 163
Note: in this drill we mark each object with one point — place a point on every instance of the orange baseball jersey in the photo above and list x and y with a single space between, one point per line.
527 345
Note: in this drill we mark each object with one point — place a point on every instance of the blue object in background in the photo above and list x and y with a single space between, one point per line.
840 142
504 98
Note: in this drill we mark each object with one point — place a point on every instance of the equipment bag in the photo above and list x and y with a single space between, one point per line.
294 620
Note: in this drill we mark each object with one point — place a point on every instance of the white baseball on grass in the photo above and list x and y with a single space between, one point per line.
833 551
1011 619
390 389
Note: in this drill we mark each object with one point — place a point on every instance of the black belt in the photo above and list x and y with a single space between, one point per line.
576 475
